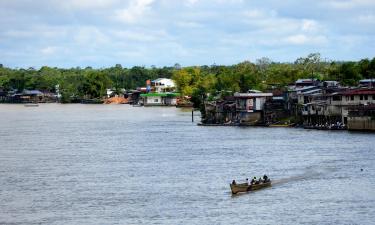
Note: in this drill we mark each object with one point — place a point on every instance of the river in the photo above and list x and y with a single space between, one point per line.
117 164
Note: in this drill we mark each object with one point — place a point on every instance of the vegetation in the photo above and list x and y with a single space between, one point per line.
77 83
199 82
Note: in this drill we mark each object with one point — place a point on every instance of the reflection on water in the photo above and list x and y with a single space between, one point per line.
101 164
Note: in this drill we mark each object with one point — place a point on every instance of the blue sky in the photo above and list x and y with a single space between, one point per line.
102 33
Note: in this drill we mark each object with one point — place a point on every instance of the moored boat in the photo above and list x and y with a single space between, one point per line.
245 187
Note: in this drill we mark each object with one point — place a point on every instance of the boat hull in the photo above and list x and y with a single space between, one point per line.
244 187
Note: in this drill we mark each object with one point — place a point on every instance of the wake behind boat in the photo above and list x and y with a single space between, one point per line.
252 186
31 105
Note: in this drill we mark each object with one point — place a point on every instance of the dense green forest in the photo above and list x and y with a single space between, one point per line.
196 81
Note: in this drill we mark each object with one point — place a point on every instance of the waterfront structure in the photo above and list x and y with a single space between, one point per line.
3 95
162 85
240 109
250 107
159 92
314 104
338 106
367 83
358 110
306 83
27 96
159 99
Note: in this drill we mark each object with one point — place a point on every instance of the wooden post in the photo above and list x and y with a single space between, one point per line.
192 115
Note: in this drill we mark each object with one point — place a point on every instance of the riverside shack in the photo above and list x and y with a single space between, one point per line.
250 107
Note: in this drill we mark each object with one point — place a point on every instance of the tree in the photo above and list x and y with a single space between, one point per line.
350 73
95 84
310 64
183 80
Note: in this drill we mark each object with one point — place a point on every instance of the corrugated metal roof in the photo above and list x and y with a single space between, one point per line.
360 92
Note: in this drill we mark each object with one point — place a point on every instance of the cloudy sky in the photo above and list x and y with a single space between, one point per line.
101 33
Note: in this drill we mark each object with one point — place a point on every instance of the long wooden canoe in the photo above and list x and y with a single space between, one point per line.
245 187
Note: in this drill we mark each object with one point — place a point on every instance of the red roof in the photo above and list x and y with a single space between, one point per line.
360 92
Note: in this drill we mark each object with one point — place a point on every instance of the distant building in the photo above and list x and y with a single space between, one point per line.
159 92
250 107
251 102
355 100
306 82
159 99
330 83
367 83
162 85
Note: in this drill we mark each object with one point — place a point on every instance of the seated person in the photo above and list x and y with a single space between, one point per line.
253 180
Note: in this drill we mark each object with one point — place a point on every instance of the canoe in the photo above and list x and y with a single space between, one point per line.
245 187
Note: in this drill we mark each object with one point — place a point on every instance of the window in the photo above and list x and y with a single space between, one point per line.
366 97
352 98
361 97
156 100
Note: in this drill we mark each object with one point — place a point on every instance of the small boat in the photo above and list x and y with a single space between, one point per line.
245 187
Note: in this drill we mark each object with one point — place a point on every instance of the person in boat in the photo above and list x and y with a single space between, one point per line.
253 181
247 181
234 182
265 178
260 180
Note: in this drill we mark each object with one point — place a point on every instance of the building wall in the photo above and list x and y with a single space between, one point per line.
154 100
159 100
246 118
259 103
356 99
251 104
170 101
361 123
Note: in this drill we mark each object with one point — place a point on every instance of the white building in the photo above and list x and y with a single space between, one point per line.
159 99
162 85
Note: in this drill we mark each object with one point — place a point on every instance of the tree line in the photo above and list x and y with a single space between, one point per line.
199 82
79 83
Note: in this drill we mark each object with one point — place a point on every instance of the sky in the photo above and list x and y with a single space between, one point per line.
102 33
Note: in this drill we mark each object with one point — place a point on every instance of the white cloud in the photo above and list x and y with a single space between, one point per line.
309 26
189 24
350 4
367 18
302 39
139 35
191 2
255 14
135 10
49 50
162 32
85 4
